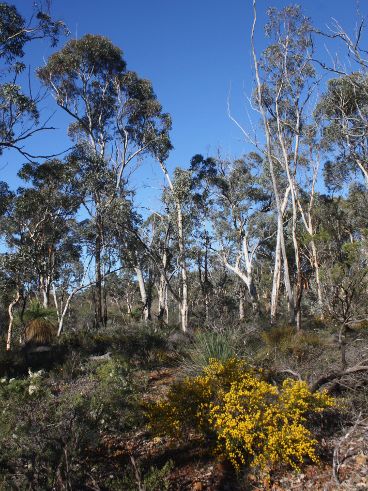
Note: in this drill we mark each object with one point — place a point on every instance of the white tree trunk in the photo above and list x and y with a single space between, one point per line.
143 292
316 272
241 308
183 268
270 159
162 298
276 277
11 320
183 305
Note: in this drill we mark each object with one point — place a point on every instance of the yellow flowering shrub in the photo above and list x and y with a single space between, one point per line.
188 402
251 421
263 425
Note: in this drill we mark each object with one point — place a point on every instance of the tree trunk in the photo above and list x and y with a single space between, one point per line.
44 291
184 307
184 291
129 303
11 320
98 272
316 272
144 296
162 298
183 304
270 159
299 283
276 278
342 344
289 291
241 308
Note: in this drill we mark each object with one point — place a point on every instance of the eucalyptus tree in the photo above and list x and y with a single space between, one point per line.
19 114
162 231
40 224
202 258
235 202
6 197
285 80
343 113
157 234
135 255
116 119
178 200
345 286
16 280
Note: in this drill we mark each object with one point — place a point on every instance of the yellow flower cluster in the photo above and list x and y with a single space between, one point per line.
187 404
263 425
251 421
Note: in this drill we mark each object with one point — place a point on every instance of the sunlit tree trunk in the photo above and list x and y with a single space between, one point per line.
183 303
144 295
11 320
270 160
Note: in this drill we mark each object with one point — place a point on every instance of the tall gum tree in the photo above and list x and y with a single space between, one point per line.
285 80
179 196
40 223
343 113
116 120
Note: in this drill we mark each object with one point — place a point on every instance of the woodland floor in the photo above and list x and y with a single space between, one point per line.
197 470
344 453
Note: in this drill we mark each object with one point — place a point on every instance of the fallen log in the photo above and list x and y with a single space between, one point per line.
106 356
325 379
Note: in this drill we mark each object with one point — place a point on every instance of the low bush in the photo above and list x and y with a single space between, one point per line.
248 420
12 363
210 344
284 340
50 431
145 343
152 479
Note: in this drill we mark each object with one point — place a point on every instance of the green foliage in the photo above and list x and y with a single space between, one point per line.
285 340
157 479
144 344
95 59
49 430
153 479
208 344
18 112
37 311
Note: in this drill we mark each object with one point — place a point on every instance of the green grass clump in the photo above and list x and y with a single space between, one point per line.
210 344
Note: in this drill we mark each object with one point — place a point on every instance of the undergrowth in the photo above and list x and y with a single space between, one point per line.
246 419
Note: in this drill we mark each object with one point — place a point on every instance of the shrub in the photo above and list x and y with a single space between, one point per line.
209 344
153 479
40 331
143 343
12 363
188 401
50 432
260 424
249 420
286 341
158 479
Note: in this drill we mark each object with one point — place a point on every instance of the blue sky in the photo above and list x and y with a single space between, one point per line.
192 51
